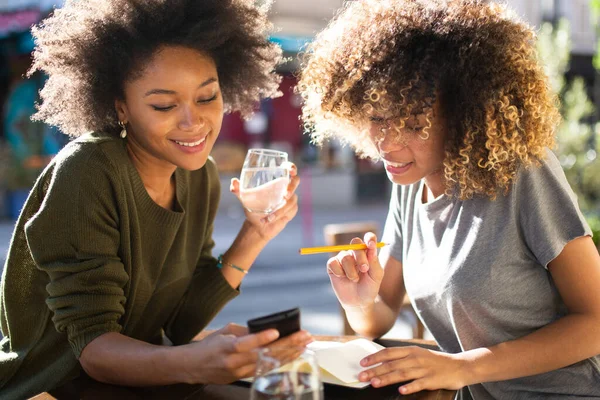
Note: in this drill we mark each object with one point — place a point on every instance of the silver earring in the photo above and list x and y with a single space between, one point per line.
123 130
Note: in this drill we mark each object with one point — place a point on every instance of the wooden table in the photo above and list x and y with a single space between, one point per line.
88 389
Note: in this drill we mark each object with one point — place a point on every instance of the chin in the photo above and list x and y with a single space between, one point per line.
402 180
195 165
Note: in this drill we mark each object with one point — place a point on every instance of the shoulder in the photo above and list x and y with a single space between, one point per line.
88 160
546 176
88 149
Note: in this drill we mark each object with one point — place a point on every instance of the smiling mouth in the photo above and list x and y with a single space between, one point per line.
191 144
395 164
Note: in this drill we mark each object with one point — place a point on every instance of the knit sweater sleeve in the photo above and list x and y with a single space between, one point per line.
208 291
74 237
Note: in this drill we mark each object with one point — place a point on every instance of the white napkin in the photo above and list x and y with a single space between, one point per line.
340 362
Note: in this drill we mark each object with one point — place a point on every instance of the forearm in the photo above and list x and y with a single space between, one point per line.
117 359
373 320
564 342
243 252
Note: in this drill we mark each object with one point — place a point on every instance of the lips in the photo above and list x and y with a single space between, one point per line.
189 143
397 168
395 164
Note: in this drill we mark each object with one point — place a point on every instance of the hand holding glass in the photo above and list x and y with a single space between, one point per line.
287 373
264 181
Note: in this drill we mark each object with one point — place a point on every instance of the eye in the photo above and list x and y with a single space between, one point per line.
163 109
203 101
377 120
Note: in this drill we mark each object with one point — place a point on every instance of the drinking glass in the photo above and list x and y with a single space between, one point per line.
287 373
264 181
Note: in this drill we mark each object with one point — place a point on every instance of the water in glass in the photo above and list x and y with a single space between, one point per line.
264 180
288 373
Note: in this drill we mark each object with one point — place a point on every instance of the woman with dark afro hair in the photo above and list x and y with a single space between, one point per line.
112 251
485 234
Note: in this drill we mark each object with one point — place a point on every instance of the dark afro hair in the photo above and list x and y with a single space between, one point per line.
90 48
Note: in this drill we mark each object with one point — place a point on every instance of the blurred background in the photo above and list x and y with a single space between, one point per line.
336 186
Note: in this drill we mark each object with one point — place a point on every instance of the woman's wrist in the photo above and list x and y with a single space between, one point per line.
182 367
251 234
365 308
471 365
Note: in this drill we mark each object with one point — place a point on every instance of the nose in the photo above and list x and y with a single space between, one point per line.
190 120
389 140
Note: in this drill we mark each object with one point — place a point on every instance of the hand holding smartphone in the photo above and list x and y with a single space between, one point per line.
286 322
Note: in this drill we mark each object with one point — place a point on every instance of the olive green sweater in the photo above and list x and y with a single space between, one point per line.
92 253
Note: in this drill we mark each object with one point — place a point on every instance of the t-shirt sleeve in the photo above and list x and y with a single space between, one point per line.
74 237
392 232
547 209
208 291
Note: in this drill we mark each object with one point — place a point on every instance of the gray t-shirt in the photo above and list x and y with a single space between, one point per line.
476 272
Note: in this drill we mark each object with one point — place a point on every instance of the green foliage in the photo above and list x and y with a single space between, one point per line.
578 140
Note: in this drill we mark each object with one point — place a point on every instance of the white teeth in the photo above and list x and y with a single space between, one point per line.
397 165
190 144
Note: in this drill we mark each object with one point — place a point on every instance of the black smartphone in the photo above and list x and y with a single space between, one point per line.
286 322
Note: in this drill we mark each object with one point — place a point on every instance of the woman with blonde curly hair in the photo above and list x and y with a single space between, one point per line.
113 249
485 234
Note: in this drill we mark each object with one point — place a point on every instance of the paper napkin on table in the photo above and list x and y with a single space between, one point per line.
340 362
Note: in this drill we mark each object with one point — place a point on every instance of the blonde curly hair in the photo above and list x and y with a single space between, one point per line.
396 58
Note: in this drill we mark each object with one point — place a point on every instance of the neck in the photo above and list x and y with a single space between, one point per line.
434 186
156 176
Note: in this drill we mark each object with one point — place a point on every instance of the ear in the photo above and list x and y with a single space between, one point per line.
121 108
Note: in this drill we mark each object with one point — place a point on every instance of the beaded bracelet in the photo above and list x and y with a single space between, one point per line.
221 263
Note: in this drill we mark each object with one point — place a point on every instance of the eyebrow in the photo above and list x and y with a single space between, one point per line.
167 91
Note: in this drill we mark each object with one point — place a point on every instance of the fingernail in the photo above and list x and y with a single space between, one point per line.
403 389
272 335
375 381
364 268
363 376
364 362
271 217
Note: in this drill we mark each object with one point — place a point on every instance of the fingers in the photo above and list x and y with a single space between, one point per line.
234 187
297 339
334 267
343 265
294 179
416 385
360 256
253 341
286 212
396 376
234 329
349 265
392 353
292 186
375 269
291 167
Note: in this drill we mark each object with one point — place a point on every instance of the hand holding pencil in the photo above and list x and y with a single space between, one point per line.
355 271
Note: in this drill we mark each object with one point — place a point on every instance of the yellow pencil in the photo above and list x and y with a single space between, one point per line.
333 249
